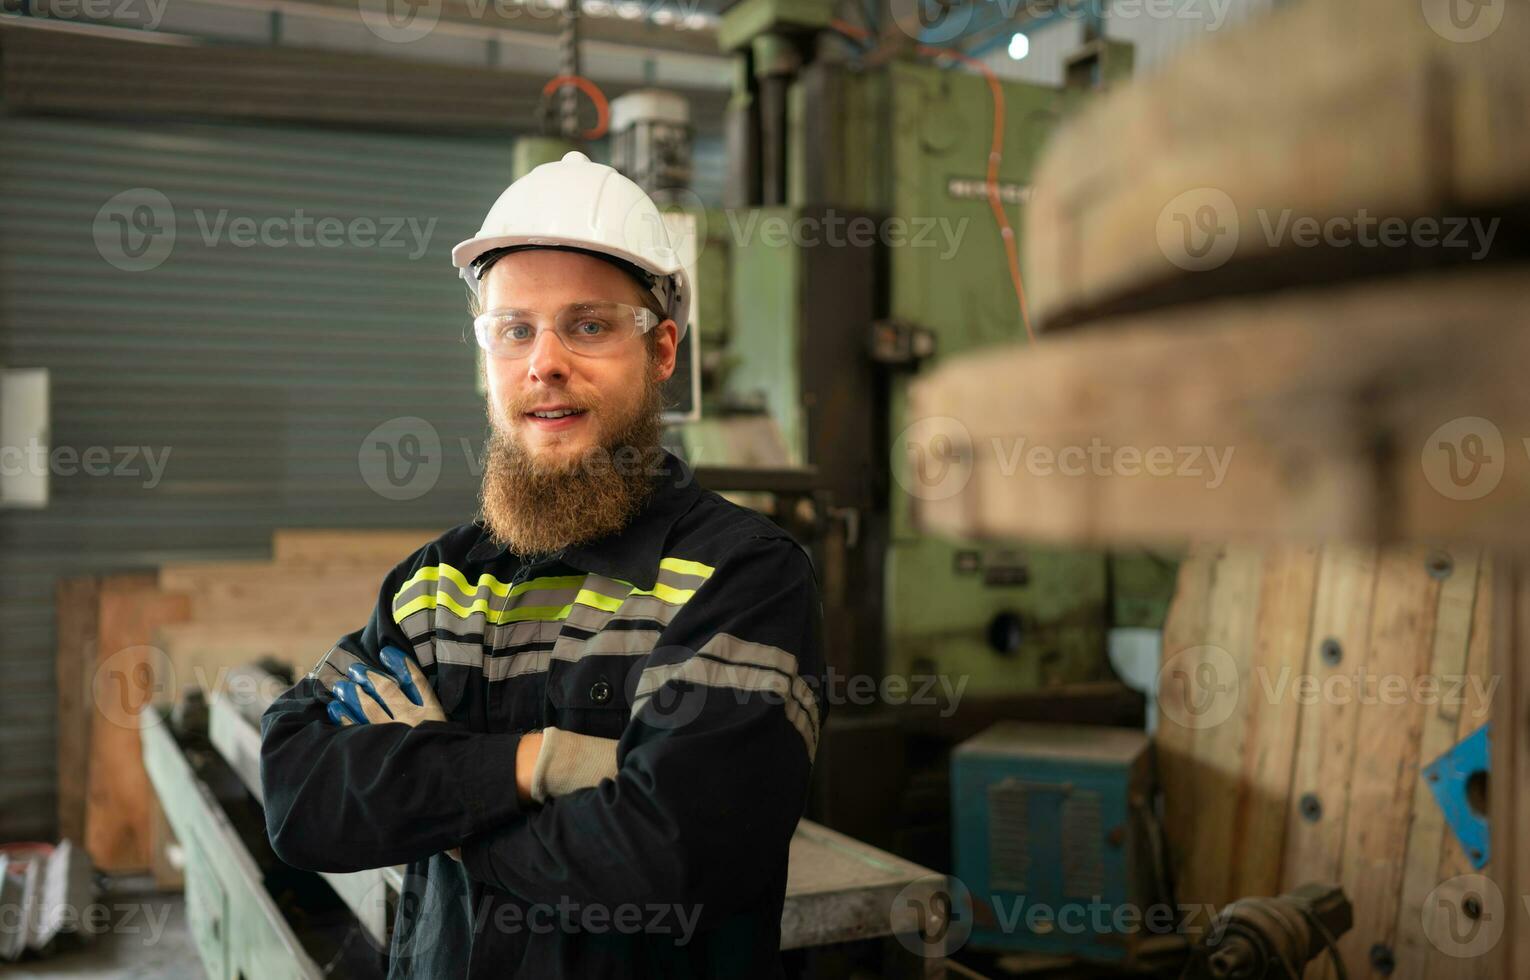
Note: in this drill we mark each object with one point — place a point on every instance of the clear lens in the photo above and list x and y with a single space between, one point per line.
592 329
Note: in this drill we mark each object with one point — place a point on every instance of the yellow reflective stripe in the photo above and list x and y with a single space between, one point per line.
435 573
687 567
667 593
586 597
504 590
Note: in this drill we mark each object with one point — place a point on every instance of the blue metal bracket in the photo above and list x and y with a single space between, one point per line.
1458 780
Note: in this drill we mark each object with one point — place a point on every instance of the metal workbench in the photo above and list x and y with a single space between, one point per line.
251 915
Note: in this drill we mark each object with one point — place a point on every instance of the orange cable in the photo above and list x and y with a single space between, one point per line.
602 108
995 154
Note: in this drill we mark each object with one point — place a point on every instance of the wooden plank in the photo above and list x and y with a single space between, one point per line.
1189 180
1381 788
1334 414
205 654
128 677
294 606
1282 639
1208 679
78 606
386 547
1185 628
1325 741
1456 872
1508 807
1449 663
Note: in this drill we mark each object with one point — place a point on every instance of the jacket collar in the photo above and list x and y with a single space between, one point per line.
631 554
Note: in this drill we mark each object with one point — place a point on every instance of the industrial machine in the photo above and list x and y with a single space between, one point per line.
865 243
1274 938
1056 841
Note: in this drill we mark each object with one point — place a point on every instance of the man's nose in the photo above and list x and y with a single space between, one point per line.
548 361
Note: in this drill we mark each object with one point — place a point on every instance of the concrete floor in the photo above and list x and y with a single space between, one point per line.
144 938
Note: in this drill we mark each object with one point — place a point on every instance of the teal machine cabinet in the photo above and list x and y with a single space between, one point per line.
1053 842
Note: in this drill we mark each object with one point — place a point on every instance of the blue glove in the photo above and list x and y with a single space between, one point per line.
371 696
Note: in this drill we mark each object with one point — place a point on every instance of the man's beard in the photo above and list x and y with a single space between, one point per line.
536 506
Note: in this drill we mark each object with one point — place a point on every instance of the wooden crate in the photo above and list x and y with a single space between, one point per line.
129 641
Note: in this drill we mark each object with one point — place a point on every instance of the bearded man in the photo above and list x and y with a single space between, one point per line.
586 720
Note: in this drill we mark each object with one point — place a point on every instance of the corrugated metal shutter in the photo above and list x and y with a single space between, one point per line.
260 369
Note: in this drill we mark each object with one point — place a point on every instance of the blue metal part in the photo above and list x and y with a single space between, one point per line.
1454 779
397 662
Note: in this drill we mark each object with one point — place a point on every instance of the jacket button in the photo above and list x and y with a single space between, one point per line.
600 691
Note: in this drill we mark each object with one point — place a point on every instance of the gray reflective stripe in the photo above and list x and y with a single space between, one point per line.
518 665
727 647
618 643
332 666
635 607
531 631
421 626
458 653
742 666
680 580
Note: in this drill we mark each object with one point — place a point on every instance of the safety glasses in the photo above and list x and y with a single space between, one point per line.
590 329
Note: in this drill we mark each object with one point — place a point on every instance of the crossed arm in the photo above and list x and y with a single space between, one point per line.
702 802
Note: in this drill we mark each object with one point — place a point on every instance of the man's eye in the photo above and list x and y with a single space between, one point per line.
517 332
589 328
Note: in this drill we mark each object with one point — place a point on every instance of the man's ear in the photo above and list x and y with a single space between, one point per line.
666 345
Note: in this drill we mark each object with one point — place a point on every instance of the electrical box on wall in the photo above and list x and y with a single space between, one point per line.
24 449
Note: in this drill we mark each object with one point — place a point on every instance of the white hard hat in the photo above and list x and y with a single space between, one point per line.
576 203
